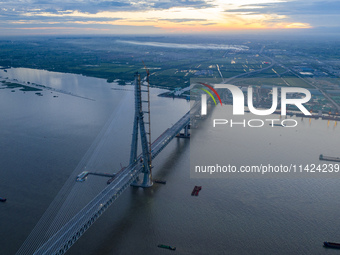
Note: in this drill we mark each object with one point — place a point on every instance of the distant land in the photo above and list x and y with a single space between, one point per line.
174 60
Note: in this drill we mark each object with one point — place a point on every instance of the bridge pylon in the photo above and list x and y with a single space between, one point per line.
139 123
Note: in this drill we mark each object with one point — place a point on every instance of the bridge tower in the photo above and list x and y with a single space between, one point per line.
145 136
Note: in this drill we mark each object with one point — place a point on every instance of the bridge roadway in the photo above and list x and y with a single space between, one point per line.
62 240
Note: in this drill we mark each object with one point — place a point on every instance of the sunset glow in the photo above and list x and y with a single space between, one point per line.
157 16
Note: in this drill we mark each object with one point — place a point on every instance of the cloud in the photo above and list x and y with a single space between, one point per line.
317 12
183 20
75 29
167 4
292 8
84 11
31 6
95 6
172 15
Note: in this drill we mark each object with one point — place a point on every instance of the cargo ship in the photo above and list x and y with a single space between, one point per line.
167 247
331 245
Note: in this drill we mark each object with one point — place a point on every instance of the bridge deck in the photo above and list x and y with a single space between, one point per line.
60 242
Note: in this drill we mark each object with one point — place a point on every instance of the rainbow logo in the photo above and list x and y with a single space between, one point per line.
209 93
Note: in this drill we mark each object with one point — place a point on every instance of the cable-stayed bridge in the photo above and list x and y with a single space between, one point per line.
73 230
62 238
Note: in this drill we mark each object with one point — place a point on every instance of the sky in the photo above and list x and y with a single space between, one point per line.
43 17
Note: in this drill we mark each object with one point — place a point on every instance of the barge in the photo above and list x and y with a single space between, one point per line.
331 245
167 247
196 190
327 158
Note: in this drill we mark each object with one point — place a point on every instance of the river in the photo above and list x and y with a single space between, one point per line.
44 137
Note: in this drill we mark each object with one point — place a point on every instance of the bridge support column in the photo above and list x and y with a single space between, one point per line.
186 133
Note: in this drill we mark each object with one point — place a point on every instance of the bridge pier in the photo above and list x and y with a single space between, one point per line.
145 183
186 133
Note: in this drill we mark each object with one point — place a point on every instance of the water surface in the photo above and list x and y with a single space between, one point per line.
43 139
